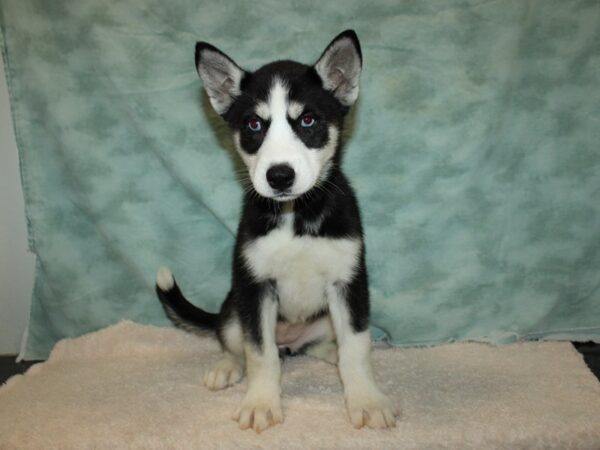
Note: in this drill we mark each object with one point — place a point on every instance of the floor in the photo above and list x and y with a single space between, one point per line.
590 352
8 367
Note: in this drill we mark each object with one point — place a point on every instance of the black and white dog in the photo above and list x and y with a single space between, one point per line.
299 280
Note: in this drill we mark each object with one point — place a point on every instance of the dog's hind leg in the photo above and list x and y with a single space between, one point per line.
325 350
325 347
230 368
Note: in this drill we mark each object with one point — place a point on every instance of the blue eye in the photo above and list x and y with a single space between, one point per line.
307 121
254 125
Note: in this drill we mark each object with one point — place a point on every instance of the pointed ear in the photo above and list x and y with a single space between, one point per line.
221 76
339 67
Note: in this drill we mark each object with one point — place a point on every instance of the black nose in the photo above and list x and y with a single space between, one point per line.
280 176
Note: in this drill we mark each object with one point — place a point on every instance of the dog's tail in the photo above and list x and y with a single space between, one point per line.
181 312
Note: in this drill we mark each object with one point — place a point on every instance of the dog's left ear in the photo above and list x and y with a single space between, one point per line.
339 67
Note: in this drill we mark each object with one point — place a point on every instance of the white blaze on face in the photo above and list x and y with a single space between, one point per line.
282 146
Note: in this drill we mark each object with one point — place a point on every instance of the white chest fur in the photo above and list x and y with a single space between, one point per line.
302 267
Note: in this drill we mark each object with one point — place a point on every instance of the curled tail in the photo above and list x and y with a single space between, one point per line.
181 312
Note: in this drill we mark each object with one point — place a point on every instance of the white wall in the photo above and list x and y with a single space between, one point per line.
16 262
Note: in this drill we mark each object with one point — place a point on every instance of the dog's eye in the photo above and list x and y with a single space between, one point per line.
254 125
307 120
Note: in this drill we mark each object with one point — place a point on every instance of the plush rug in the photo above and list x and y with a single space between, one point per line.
134 386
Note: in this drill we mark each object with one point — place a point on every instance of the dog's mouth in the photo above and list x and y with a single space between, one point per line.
284 196
276 195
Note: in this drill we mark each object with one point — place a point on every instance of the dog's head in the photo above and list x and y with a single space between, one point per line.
286 117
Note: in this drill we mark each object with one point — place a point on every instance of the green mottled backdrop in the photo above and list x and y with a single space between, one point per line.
474 148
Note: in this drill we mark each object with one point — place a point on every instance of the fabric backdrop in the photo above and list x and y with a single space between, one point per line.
474 150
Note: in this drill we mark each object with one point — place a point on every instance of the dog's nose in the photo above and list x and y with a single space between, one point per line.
280 176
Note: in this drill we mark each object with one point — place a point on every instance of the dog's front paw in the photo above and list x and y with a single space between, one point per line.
259 412
226 372
374 410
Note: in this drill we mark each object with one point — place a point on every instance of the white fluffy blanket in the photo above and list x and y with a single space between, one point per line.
134 386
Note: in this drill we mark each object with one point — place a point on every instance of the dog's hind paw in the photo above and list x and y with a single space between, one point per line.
226 372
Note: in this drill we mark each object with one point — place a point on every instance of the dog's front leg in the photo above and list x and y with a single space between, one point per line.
261 407
365 402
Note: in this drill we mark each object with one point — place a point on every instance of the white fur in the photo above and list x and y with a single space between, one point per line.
282 146
365 402
164 279
261 406
228 371
295 109
303 266
262 110
233 336
325 350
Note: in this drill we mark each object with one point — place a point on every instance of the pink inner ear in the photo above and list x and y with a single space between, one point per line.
339 67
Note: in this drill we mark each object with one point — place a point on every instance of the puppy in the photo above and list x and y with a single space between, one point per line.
299 280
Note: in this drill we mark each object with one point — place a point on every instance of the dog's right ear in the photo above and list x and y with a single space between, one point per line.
221 76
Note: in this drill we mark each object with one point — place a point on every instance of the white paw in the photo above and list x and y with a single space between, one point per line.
225 373
259 412
327 351
374 410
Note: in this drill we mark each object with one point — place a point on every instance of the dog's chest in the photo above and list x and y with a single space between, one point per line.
302 267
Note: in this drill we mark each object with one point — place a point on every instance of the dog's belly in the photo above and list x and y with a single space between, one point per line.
302 267
295 336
